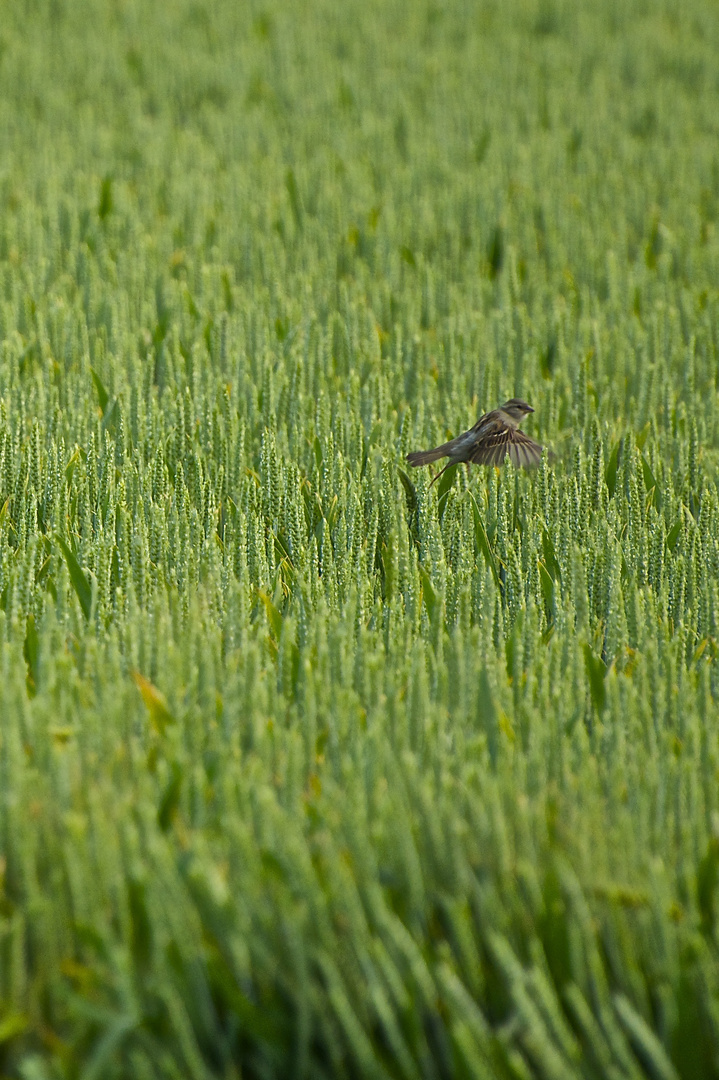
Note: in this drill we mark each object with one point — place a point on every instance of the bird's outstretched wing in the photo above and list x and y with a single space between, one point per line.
493 447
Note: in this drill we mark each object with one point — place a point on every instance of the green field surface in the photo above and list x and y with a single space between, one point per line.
309 769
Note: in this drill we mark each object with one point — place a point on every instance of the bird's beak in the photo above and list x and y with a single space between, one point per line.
529 408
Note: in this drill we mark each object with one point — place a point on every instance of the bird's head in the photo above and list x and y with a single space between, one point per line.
517 408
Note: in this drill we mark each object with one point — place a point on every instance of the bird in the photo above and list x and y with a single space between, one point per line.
495 435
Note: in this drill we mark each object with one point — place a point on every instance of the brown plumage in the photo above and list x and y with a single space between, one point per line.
495 435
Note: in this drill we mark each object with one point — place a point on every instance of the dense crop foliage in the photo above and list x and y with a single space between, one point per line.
307 769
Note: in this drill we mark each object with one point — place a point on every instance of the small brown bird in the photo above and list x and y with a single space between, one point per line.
495 435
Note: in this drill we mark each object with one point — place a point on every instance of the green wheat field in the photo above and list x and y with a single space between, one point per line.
308 769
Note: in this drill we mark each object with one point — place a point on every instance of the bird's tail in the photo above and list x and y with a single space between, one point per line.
426 457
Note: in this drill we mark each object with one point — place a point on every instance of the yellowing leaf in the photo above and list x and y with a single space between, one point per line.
12 1025
273 616
155 702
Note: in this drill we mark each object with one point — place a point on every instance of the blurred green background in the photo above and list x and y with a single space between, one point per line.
307 769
